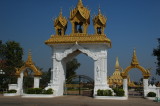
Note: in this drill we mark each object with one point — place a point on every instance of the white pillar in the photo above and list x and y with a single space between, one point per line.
58 78
36 82
20 84
145 84
158 92
53 62
145 87
100 73
125 86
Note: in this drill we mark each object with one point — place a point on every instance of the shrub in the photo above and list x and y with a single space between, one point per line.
119 92
49 91
12 91
100 92
30 91
34 91
104 92
151 94
107 93
39 91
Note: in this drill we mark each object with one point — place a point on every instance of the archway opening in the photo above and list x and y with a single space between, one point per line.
87 65
135 83
82 82
28 79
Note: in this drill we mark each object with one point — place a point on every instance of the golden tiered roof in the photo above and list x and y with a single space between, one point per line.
29 59
116 77
117 73
134 58
82 14
100 18
60 19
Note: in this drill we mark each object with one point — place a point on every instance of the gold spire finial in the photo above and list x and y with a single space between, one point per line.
80 4
60 14
99 10
29 60
134 58
117 64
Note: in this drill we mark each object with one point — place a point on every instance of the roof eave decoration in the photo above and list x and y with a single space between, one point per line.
80 38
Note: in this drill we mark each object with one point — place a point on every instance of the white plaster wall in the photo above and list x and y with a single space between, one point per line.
13 86
36 82
153 89
62 53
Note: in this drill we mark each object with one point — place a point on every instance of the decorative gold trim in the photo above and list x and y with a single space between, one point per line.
135 64
28 64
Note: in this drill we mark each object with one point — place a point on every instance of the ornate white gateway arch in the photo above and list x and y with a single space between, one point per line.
66 47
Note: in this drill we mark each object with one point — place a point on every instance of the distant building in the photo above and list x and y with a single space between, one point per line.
116 79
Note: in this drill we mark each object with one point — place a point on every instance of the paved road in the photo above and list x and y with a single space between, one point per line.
73 101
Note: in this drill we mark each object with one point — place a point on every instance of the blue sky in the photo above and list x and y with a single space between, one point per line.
131 24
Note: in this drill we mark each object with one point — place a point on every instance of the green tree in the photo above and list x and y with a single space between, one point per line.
45 78
2 66
2 47
11 54
156 52
71 67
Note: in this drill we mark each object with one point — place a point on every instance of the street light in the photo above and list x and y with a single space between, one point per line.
2 72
